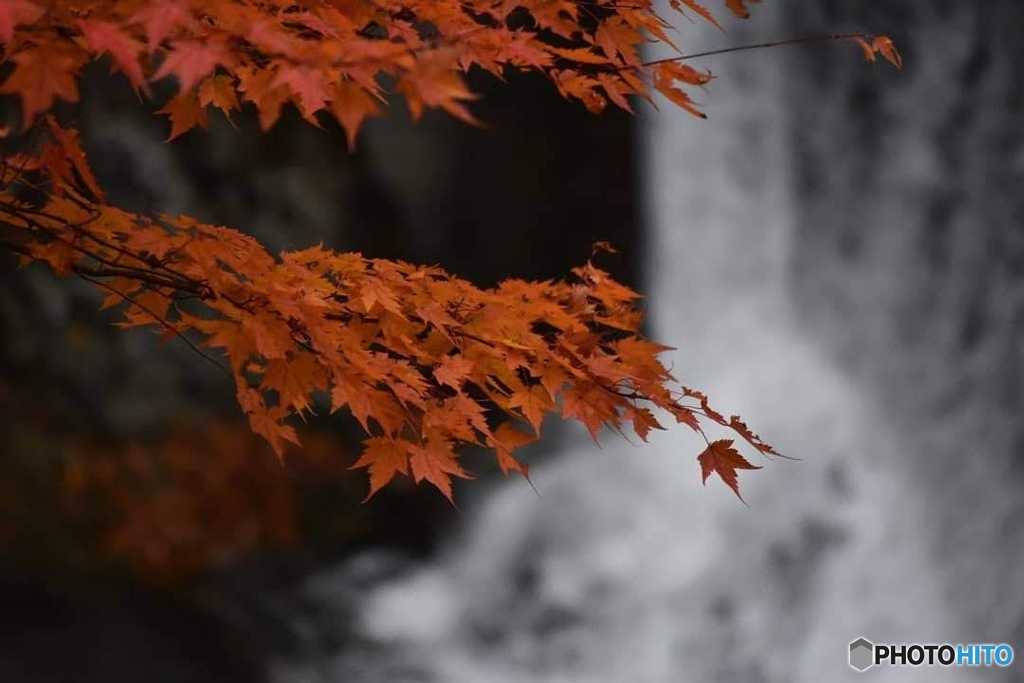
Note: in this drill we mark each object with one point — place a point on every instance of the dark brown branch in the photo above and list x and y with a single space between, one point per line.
161 321
758 46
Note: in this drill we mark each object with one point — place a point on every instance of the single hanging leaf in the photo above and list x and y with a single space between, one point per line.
720 457
888 50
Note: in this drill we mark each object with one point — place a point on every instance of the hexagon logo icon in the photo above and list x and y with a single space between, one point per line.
861 654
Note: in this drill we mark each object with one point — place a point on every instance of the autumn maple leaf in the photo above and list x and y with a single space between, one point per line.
722 458
191 62
41 76
384 458
106 36
880 45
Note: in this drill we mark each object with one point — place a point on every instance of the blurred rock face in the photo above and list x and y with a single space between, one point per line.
909 261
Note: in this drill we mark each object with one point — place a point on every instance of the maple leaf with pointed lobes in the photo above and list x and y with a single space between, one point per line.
534 403
435 462
506 439
643 421
720 457
618 40
453 371
40 76
269 424
384 458
258 87
162 19
351 104
185 112
307 87
192 61
219 91
433 84
106 36
230 336
295 380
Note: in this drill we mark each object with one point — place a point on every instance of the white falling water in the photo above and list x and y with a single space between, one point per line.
626 568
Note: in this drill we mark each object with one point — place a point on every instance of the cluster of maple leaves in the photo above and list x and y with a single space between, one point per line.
425 361
329 56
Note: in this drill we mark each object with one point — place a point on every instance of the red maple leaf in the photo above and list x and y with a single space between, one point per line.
191 61
106 36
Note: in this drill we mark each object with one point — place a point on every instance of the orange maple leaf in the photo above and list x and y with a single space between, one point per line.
720 457
435 462
40 76
384 458
185 113
880 45
433 84
219 91
506 439
351 104
269 424
533 402
295 379
453 371
643 421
